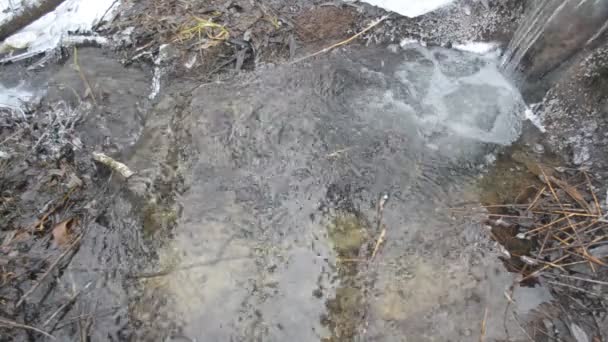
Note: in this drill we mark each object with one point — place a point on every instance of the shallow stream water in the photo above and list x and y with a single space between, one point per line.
272 186
302 202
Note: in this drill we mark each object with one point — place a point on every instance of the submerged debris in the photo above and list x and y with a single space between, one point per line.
561 226
557 236
113 164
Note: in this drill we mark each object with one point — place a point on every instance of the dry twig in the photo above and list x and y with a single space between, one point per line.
89 90
48 271
13 324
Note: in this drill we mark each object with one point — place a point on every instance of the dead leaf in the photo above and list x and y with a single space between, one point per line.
62 232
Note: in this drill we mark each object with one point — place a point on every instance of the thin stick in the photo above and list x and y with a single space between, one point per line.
574 213
521 326
538 272
574 288
98 313
6 322
183 268
584 279
378 243
83 77
542 248
51 267
489 206
344 42
545 226
69 302
585 253
592 243
338 152
597 203
483 326
536 198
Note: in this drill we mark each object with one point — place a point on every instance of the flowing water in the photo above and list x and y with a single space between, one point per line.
270 186
259 203
554 30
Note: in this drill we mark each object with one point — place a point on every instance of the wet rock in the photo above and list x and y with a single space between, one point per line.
575 113
565 29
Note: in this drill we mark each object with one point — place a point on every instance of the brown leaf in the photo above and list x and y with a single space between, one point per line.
62 232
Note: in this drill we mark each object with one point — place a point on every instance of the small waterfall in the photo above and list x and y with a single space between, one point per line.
530 29
558 29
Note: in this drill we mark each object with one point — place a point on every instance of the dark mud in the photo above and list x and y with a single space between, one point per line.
48 178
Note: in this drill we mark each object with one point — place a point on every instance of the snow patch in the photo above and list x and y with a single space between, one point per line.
409 41
409 8
53 29
480 48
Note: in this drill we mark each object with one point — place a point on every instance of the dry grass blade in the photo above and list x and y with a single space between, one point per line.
571 191
584 279
585 253
575 288
379 243
482 335
543 227
203 28
598 207
542 269
536 198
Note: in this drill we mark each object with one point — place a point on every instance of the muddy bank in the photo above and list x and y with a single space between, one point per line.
63 260
574 112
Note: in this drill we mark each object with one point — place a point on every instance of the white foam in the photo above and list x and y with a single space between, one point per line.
463 98
408 41
535 119
409 8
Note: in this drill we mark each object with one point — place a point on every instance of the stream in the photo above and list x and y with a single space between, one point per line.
269 194
343 196
304 202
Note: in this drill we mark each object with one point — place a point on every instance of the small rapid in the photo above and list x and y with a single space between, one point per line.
552 31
